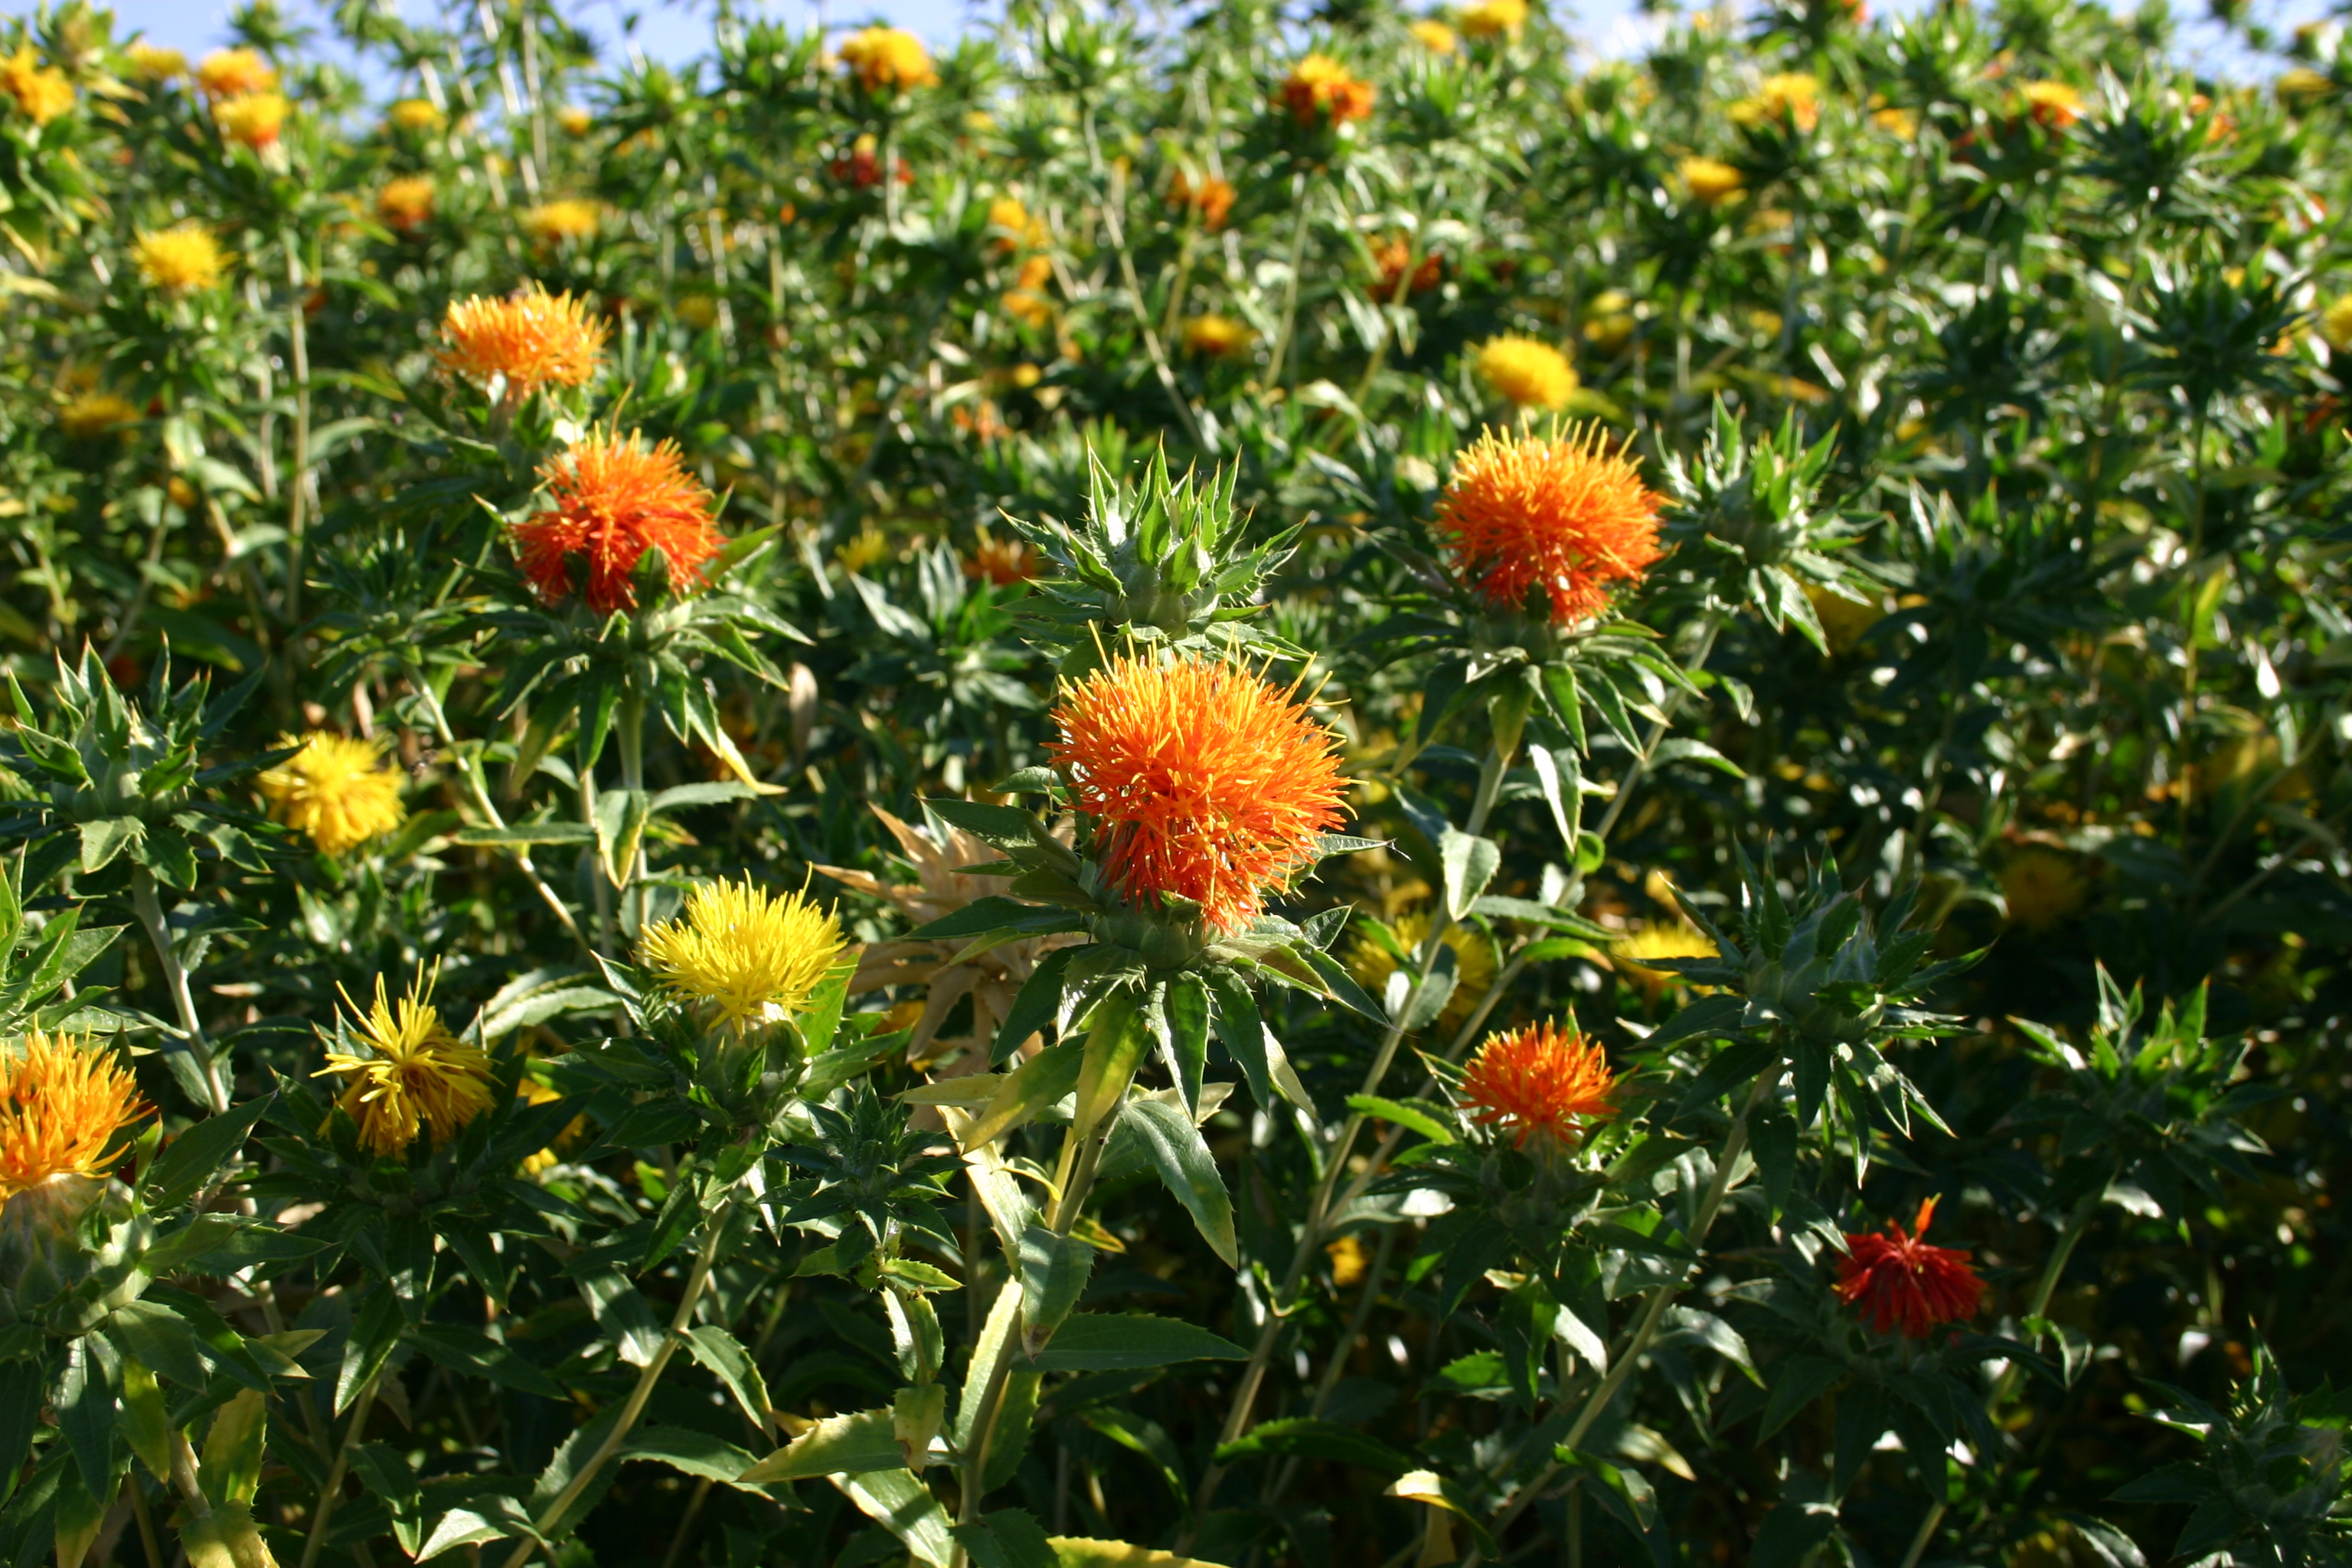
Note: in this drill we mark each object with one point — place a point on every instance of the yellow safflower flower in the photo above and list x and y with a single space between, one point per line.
178 260
226 73
155 64
1528 373
1434 35
1495 18
1216 336
1709 181
96 413
890 58
750 956
41 91
551 222
336 789
416 1074
254 119
2335 323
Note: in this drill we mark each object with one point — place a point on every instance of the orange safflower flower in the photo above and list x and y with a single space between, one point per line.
61 1104
1204 781
610 500
1902 1283
889 57
1562 510
1000 562
254 119
531 337
405 203
1212 198
2052 103
227 73
1539 1080
1393 257
1318 86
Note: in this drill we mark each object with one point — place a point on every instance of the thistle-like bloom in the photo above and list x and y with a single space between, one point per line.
575 120
1538 1081
416 1074
551 222
1495 18
889 58
254 119
61 1104
2052 103
1205 782
1903 124
152 63
336 789
95 414
1434 36
226 73
1789 96
178 260
1015 226
1212 199
610 500
414 114
531 338
2299 85
1899 1282
1562 510
1216 336
1002 562
2044 887
43 92
2335 323
405 203
750 956
1529 373
1372 963
1710 181
1318 86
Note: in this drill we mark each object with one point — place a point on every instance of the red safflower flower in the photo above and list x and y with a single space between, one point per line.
1563 510
1539 1080
610 498
1902 1283
1204 780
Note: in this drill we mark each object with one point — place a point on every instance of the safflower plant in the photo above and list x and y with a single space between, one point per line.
1312 789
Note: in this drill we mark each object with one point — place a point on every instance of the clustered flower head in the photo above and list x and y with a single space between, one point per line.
254 119
1372 962
1787 97
1027 300
405 203
1205 782
1210 198
1015 226
751 956
226 73
2335 323
1710 182
1540 1081
154 63
2052 103
1495 18
530 338
416 1074
178 260
336 789
1528 373
889 58
2044 887
1216 336
610 500
1897 1282
1434 36
90 415
1394 257
415 115
1669 939
61 1104
1320 88
550 223
42 93
1562 510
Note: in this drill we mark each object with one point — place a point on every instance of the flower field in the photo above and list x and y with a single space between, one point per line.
1265 789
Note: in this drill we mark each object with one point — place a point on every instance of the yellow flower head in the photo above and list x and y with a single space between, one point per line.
95 414
335 789
226 73
1216 336
1709 181
2052 103
1608 319
1789 97
1900 124
1495 18
2301 84
575 120
2335 323
253 117
154 64
553 221
1434 35
405 203
61 1104
1319 87
531 337
178 260
1530 374
1013 225
1473 964
1843 619
2043 887
1657 941
889 58
41 91
751 957
415 115
415 1072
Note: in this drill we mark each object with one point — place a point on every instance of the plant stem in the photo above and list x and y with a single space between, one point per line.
150 909
586 1475
630 733
297 515
1113 220
331 1491
1711 625
1291 286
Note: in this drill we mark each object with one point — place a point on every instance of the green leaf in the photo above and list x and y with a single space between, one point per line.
375 1328
899 1502
999 827
702 795
838 1444
1796 1382
484 1519
231 1469
696 1453
385 1475
1123 1342
985 917
1188 1170
1008 1538
146 1419
1469 865
727 1360
523 834
1790 1531
465 1350
1419 1118
1242 1031
1034 1005
1027 1089
1116 1037
84 1406
1053 1270
1184 1012
197 1155
1315 1439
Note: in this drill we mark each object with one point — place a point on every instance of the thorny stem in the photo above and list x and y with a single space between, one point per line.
329 1493
584 1478
150 909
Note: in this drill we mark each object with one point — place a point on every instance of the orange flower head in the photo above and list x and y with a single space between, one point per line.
1319 86
888 59
1902 1283
405 203
2052 103
227 73
1539 1080
1562 510
552 223
610 500
254 119
43 92
1212 198
61 1104
1205 782
1000 562
531 337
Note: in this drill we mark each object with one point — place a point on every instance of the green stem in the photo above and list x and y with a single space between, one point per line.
150 908
331 1491
1711 626
552 1517
1290 287
630 732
